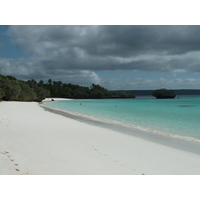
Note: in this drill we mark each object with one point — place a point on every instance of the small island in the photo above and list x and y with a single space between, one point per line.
164 94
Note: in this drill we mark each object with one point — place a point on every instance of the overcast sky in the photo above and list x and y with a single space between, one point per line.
116 57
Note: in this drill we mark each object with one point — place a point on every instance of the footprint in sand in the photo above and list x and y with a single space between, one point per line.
12 160
6 153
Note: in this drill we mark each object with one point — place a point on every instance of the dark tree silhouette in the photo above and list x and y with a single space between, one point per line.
164 94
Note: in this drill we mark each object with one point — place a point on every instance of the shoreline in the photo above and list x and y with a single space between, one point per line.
165 139
39 142
55 99
142 127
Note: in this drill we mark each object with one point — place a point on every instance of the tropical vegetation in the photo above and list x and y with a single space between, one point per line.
164 94
12 89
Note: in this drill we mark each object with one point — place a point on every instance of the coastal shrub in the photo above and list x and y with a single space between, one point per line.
27 93
163 94
17 90
11 89
2 94
42 93
11 78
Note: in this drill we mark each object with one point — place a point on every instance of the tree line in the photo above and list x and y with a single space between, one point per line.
12 89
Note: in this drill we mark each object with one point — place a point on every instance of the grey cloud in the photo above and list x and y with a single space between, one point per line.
63 51
29 69
107 40
134 37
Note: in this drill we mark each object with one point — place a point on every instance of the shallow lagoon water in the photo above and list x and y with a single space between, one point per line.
179 117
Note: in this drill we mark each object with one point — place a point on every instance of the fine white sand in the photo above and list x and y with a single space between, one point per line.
55 99
35 141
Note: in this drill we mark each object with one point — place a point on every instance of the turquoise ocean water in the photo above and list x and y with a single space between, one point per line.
179 118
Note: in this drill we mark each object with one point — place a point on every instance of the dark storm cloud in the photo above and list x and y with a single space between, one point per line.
166 39
123 40
109 40
59 50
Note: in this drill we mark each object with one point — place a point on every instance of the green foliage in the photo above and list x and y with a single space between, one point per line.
97 87
2 93
163 94
11 78
12 89
27 93
1 77
98 92
121 94
63 90
41 92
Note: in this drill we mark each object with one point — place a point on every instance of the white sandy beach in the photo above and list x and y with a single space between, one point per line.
55 99
38 142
